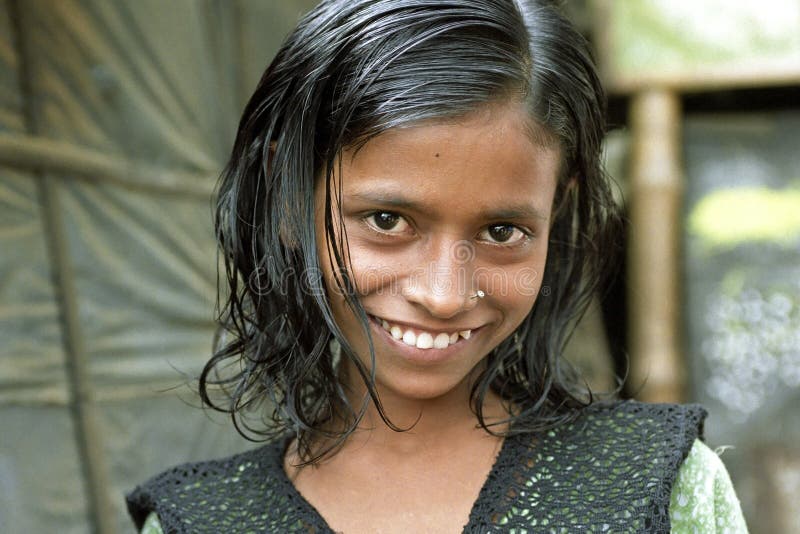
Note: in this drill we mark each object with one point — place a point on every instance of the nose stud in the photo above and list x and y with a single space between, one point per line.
479 295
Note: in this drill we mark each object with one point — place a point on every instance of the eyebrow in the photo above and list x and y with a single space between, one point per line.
395 200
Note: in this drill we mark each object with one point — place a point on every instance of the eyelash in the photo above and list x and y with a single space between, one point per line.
526 234
522 240
372 226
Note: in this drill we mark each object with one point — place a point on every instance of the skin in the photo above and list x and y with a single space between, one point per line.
419 265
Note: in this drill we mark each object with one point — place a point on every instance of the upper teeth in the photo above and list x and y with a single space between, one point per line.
424 340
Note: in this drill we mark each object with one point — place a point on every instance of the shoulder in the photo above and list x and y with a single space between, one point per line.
632 421
663 413
623 456
180 492
658 434
626 423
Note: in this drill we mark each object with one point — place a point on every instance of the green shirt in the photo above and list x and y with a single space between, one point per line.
702 500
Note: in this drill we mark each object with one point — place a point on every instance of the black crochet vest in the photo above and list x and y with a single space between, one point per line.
611 470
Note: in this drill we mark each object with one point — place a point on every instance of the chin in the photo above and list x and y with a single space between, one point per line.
423 388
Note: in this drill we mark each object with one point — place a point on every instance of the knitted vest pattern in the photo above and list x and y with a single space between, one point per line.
609 470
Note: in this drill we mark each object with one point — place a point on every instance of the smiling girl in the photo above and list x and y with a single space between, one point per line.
413 218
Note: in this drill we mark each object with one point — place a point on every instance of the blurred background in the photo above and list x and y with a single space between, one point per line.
116 118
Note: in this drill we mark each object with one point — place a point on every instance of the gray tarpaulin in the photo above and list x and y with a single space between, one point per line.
115 119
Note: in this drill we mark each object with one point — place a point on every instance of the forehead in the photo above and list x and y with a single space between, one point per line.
491 159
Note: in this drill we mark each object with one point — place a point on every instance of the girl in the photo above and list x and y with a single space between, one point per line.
412 219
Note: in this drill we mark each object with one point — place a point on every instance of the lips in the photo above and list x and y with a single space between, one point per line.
421 339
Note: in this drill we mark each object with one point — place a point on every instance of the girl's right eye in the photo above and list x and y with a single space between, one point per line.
386 222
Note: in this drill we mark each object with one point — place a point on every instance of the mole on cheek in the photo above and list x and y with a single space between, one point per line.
437 155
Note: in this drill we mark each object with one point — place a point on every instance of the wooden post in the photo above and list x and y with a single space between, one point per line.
88 434
657 367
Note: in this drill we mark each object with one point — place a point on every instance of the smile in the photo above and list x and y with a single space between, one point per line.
421 339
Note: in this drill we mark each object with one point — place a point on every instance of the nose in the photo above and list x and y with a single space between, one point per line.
443 283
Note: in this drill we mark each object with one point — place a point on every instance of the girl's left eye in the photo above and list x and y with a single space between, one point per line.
504 234
386 222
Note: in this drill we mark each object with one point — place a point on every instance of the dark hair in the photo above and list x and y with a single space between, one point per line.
349 71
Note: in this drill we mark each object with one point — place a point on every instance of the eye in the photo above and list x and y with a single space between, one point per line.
505 234
386 222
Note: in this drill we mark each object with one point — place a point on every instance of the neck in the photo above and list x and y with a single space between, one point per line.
424 423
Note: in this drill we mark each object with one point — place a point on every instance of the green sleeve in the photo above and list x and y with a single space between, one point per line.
703 499
151 525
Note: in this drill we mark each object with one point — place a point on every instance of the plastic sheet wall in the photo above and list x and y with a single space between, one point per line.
115 120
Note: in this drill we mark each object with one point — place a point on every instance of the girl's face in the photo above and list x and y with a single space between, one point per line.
433 213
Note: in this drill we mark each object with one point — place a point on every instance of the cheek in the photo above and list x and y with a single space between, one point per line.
524 293
372 270
525 284
518 283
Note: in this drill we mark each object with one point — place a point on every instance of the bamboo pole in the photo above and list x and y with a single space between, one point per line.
54 396
657 368
88 433
84 413
38 154
742 75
